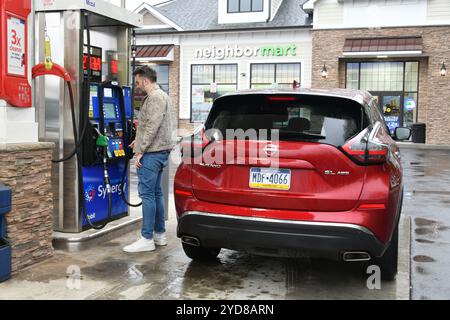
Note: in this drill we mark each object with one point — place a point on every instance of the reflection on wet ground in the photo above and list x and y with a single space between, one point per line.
236 275
427 199
105 272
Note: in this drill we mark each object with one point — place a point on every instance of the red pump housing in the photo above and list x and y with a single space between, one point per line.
14 85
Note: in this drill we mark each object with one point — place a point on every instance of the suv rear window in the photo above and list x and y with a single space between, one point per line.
329 120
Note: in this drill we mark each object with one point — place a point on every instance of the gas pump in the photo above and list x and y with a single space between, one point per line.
88 189
109 116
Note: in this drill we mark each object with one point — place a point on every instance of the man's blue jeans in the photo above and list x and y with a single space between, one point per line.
150 191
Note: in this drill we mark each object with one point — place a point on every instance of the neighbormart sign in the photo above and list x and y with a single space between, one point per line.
221 53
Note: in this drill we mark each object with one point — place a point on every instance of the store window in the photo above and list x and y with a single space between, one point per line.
274 75
394 84
162 75
235 6
210 81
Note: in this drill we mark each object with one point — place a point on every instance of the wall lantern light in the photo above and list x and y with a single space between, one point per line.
443 69
324 72
133 46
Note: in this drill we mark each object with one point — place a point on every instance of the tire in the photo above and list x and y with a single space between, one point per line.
200 253
388 263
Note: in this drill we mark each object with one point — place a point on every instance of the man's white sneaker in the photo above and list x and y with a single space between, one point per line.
160 239
141 245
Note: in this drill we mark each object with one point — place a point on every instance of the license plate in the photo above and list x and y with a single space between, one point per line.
267 178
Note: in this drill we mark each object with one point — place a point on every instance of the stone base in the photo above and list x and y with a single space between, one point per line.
26 168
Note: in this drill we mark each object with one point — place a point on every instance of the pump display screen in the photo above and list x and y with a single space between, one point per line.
109 110
107 93
95 63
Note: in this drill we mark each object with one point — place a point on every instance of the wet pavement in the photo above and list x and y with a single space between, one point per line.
427 201
105 272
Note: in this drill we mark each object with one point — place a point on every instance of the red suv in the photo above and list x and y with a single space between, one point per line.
292 173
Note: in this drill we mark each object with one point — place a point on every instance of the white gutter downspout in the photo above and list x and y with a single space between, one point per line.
270 11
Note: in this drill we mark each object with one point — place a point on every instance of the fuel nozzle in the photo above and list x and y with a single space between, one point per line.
102 140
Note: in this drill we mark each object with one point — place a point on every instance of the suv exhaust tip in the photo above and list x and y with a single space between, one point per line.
193 241
355 256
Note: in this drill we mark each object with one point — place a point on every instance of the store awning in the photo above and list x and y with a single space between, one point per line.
155 53
372 47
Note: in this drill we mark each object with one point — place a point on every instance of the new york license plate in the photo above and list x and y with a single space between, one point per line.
267 178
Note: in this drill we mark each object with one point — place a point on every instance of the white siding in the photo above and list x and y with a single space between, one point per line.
189 44
160 39
438 10
382 13
150 20
275 6
329 12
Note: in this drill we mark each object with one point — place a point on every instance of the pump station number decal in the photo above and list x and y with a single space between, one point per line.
16 46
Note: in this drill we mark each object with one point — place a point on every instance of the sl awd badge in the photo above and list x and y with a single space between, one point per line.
210 165
336 173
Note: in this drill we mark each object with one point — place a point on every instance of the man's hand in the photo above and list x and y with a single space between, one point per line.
132 144
137 161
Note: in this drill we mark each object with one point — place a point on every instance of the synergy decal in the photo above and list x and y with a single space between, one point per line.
89 194
115 188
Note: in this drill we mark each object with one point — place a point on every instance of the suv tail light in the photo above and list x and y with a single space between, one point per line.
367 147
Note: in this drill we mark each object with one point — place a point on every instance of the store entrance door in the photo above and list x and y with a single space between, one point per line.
390 106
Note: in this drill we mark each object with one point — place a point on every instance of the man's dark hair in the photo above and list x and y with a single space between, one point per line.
146 72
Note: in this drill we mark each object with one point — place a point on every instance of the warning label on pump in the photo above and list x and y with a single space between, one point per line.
16 46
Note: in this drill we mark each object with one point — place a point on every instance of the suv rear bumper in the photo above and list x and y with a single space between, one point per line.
275 237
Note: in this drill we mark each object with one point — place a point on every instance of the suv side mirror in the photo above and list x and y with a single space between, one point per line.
402 133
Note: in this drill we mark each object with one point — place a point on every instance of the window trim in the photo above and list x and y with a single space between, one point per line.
239 5
214 78
159 64
168 76
275 72
403 91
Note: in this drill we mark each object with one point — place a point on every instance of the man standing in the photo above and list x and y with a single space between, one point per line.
152 146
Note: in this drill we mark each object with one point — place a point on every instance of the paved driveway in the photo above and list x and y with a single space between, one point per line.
427 201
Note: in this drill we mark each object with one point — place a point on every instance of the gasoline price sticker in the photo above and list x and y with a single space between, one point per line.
16 46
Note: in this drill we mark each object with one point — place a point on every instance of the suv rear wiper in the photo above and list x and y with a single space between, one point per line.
303 135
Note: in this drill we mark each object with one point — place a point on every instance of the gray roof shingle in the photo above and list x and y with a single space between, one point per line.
202 15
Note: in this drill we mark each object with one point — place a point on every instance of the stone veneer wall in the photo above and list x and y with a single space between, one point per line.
434 93
26 168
